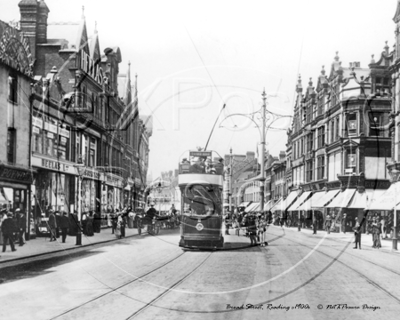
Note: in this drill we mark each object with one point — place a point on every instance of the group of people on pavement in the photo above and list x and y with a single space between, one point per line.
255 225
12 228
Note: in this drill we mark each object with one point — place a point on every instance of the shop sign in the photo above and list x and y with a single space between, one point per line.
37 122
50 135
50 127
15 50
92 68
36 130
15 174
54 165
64 132
91 174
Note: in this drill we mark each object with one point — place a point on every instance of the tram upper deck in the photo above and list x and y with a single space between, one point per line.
200 165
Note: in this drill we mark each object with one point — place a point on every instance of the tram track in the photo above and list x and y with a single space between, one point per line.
336 259
168 289
118 288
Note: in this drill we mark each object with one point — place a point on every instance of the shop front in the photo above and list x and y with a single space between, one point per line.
91 190
54 186
15 192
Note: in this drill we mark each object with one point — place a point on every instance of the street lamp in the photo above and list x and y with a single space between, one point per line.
271 118
299 191
80 167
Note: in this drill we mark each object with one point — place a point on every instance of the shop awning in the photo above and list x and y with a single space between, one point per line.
268 205
365 199
342 199
299 201
308 204
244 204
326 197
388 200
276 206
256 207
286 203
250 208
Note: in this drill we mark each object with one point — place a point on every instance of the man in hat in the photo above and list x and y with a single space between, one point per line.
8 228
52 225
328 224
21 221
357 234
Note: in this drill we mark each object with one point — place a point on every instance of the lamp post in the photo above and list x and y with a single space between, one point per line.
80 167
230 182
299 217
271 118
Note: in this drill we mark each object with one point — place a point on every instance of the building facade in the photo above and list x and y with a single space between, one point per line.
84 129
16 76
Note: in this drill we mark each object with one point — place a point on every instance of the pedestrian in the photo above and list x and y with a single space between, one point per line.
227 217
58 220
8 228
96 222
21 223
89 225
376 231
328 223
357 234
123 223
344 222
383 228
64 225
84 221
117 230
262 228
315 225
52 225
252 229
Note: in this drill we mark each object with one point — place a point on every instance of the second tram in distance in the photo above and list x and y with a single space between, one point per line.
200 183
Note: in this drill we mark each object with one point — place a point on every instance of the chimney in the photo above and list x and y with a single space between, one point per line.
43 14
29 10
282 156
250 155
355 64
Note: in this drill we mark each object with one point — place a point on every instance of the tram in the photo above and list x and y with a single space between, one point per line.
200 183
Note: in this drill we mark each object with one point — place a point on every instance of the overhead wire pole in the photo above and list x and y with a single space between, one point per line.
262 178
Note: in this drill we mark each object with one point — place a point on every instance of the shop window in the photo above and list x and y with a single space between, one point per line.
13 88
11 145
376 122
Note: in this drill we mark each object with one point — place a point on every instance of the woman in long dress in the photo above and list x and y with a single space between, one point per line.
89 225
117 231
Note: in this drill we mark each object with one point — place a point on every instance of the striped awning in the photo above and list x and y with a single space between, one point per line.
342 200
326 197
276 206
299 201
387 200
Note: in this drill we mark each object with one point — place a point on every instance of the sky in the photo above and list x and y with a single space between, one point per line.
194 57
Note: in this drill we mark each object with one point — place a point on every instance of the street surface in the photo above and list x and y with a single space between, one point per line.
298 276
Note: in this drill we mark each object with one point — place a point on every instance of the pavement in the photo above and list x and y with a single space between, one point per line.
40 246
366 239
